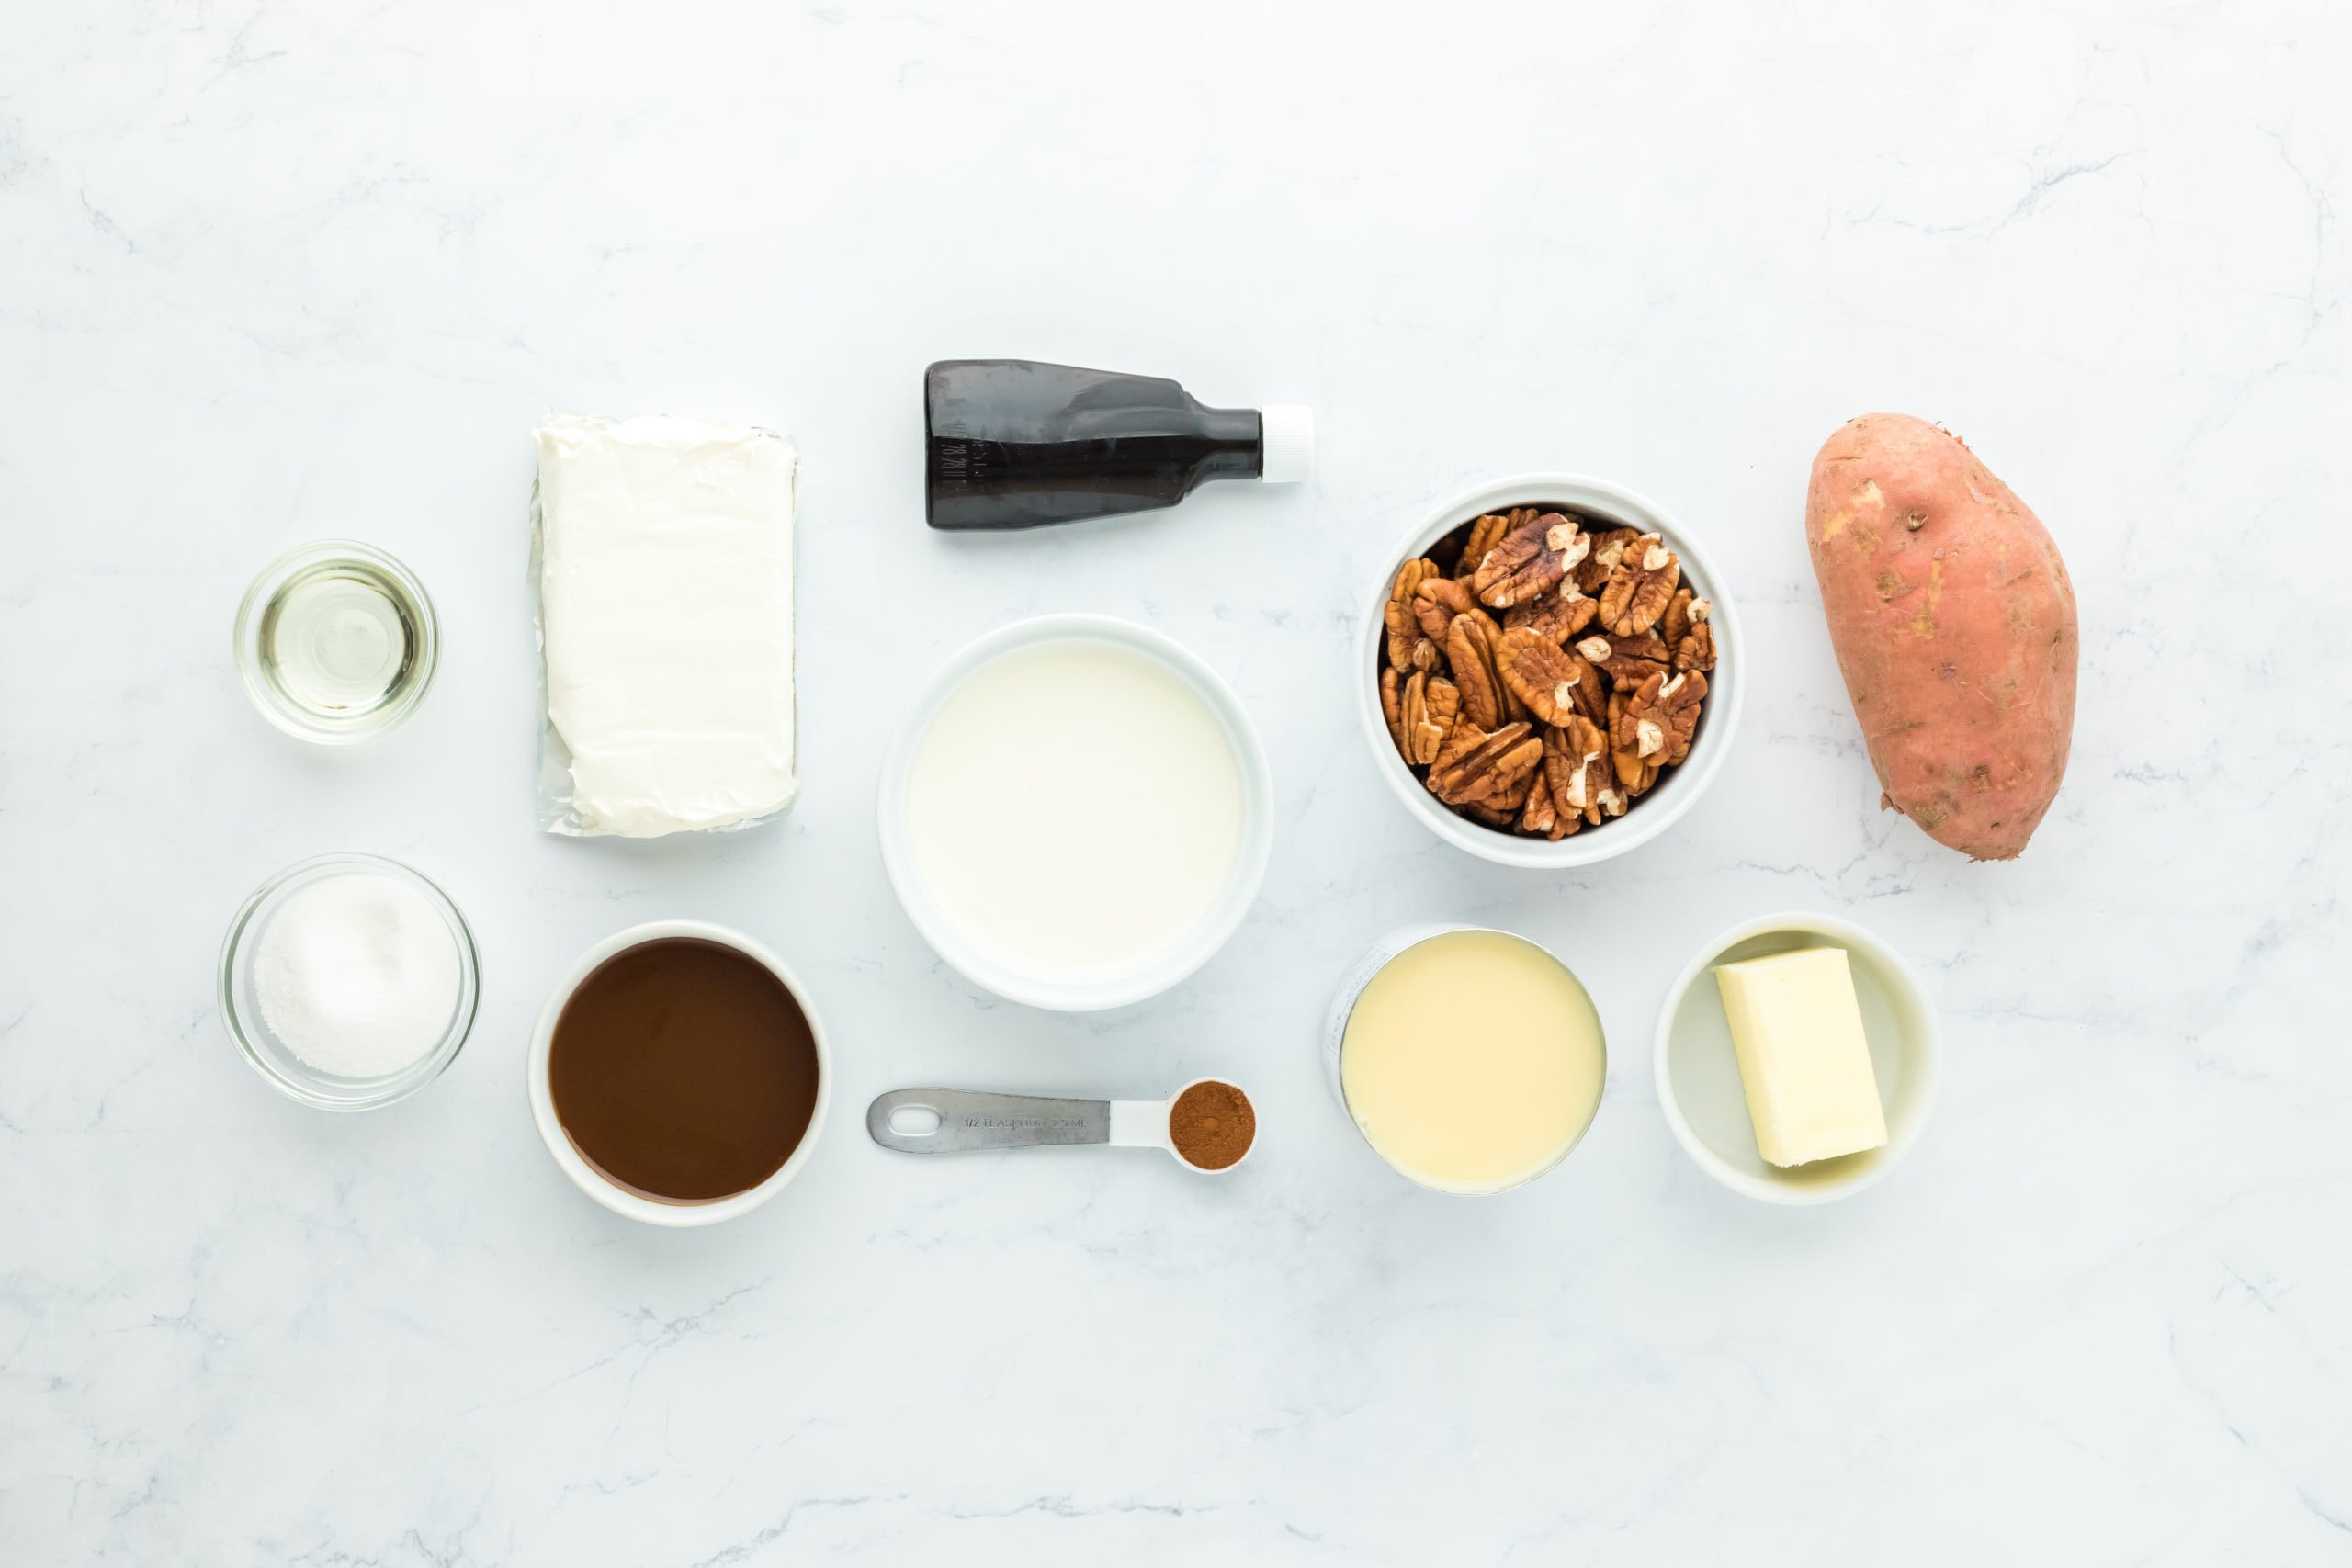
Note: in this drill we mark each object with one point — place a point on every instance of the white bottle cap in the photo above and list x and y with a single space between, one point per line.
1285 443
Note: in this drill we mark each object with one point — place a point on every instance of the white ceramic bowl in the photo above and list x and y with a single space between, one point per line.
1342 1007
586 1176
1698 1074
1677 791
1040 988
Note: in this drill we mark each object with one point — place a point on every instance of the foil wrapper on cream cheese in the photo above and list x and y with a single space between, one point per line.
662 555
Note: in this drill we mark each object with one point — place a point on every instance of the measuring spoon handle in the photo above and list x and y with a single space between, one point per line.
970 1119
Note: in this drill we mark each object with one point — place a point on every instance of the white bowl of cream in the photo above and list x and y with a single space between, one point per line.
1077 813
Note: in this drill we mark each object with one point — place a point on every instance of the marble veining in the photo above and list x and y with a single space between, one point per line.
273 272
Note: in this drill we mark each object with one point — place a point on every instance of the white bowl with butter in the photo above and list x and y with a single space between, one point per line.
1707 1104
1077 813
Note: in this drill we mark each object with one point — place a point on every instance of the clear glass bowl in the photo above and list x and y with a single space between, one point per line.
289 1074
384 622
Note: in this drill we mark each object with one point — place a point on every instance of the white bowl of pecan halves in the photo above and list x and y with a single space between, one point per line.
1551 670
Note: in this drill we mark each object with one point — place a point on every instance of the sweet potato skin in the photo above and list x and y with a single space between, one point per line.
1954 625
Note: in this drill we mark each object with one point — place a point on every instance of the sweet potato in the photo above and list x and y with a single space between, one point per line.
1954 624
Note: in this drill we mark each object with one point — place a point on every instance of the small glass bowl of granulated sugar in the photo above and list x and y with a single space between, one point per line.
348 981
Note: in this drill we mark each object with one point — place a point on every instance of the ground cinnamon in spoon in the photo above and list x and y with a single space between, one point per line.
1212 1124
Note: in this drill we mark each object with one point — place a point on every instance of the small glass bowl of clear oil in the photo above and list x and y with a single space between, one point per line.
336 641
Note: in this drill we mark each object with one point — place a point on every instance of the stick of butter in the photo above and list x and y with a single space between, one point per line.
1803 1058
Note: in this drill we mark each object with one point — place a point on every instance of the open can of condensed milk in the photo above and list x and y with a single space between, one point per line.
1471 1059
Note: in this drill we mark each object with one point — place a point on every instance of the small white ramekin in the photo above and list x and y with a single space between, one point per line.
1342 1007
1676 791
1699 1087
1065 993
567 1155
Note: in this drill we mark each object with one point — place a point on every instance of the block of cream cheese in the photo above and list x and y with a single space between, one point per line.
1802 1057
665 604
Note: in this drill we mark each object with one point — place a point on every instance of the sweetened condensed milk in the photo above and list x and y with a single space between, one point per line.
1472 1061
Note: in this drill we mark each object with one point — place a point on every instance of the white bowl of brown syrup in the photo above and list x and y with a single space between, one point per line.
678 1074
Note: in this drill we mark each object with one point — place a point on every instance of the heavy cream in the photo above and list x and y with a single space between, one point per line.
1472 1061
1075 808
665 601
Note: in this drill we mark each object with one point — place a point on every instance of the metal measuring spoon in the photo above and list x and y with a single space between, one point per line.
963 1121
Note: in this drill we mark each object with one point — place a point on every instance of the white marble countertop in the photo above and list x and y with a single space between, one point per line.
274 272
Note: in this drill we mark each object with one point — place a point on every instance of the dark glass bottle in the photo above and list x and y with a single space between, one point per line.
1014 443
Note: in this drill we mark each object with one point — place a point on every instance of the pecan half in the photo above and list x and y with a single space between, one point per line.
1697 648
1592 689
1538 815
1478 768
1665 715
1640 586
1675 625
1607 546
1531 558
1576 767
1427 709
1408 648
1423 734
1687 629
1470 650
1554 681
1392 708
1637 769
1628 661
1435 604
1445 702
